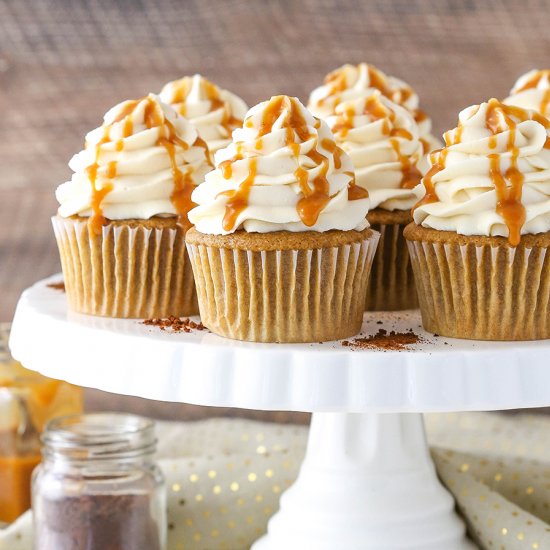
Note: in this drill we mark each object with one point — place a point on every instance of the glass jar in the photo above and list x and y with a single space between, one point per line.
27 401
98 487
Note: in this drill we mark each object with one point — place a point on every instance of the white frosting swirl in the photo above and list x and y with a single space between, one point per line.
214 112
283 171
382 140
355 81
493 178
136 165
532 91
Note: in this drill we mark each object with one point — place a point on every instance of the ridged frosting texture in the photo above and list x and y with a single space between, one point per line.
354 81
142 162
214 112
382 140
532 91
282 172
493 178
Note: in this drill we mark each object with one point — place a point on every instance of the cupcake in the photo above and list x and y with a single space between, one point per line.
351 82
532 91
281 249
383 142
481 230
214 112
122 218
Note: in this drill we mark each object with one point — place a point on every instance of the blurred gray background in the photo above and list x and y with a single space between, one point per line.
63 63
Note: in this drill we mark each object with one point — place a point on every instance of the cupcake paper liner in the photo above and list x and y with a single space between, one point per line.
307 295
482 291
131 270
391 286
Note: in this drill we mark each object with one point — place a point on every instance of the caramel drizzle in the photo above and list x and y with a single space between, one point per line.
534 81
315 195
438 159
508 185
425 145
168 138
545 101
97 220
376 110
238 199
181 90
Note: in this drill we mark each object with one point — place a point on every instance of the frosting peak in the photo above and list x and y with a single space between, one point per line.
214 112
144 161
283 171
354 81
383 142
493 176
532 91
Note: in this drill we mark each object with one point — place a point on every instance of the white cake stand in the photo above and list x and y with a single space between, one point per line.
367 482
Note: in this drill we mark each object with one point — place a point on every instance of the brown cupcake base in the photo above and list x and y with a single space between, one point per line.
282 286
133 269
482 288
391 285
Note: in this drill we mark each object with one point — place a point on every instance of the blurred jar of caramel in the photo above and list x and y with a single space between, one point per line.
28 401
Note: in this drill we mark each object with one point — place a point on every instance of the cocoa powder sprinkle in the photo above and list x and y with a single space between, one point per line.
177 324
385 341
57 286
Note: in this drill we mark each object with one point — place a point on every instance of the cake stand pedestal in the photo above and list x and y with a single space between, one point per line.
367 482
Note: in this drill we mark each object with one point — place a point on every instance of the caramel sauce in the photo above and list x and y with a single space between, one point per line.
181 89
97 220
337 83
376 80
534 81
295 148
401 132
112 169
420 116
355 192
425 145
545 101
375 109
315 195
128 109
333 149
411 175
344 123
226 166
318 157
183 182
153 116
315 199
199 142
438 159
238 199
508 186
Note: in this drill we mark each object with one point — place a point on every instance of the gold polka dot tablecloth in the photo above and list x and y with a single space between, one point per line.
225 476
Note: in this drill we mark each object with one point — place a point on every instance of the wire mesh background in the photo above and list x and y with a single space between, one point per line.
63 63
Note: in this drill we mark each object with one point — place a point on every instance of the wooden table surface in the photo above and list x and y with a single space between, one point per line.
63 63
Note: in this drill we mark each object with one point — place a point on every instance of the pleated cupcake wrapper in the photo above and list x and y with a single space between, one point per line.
391 284
483 292
285 295
127 271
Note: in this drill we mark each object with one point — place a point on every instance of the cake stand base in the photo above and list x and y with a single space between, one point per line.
367 483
